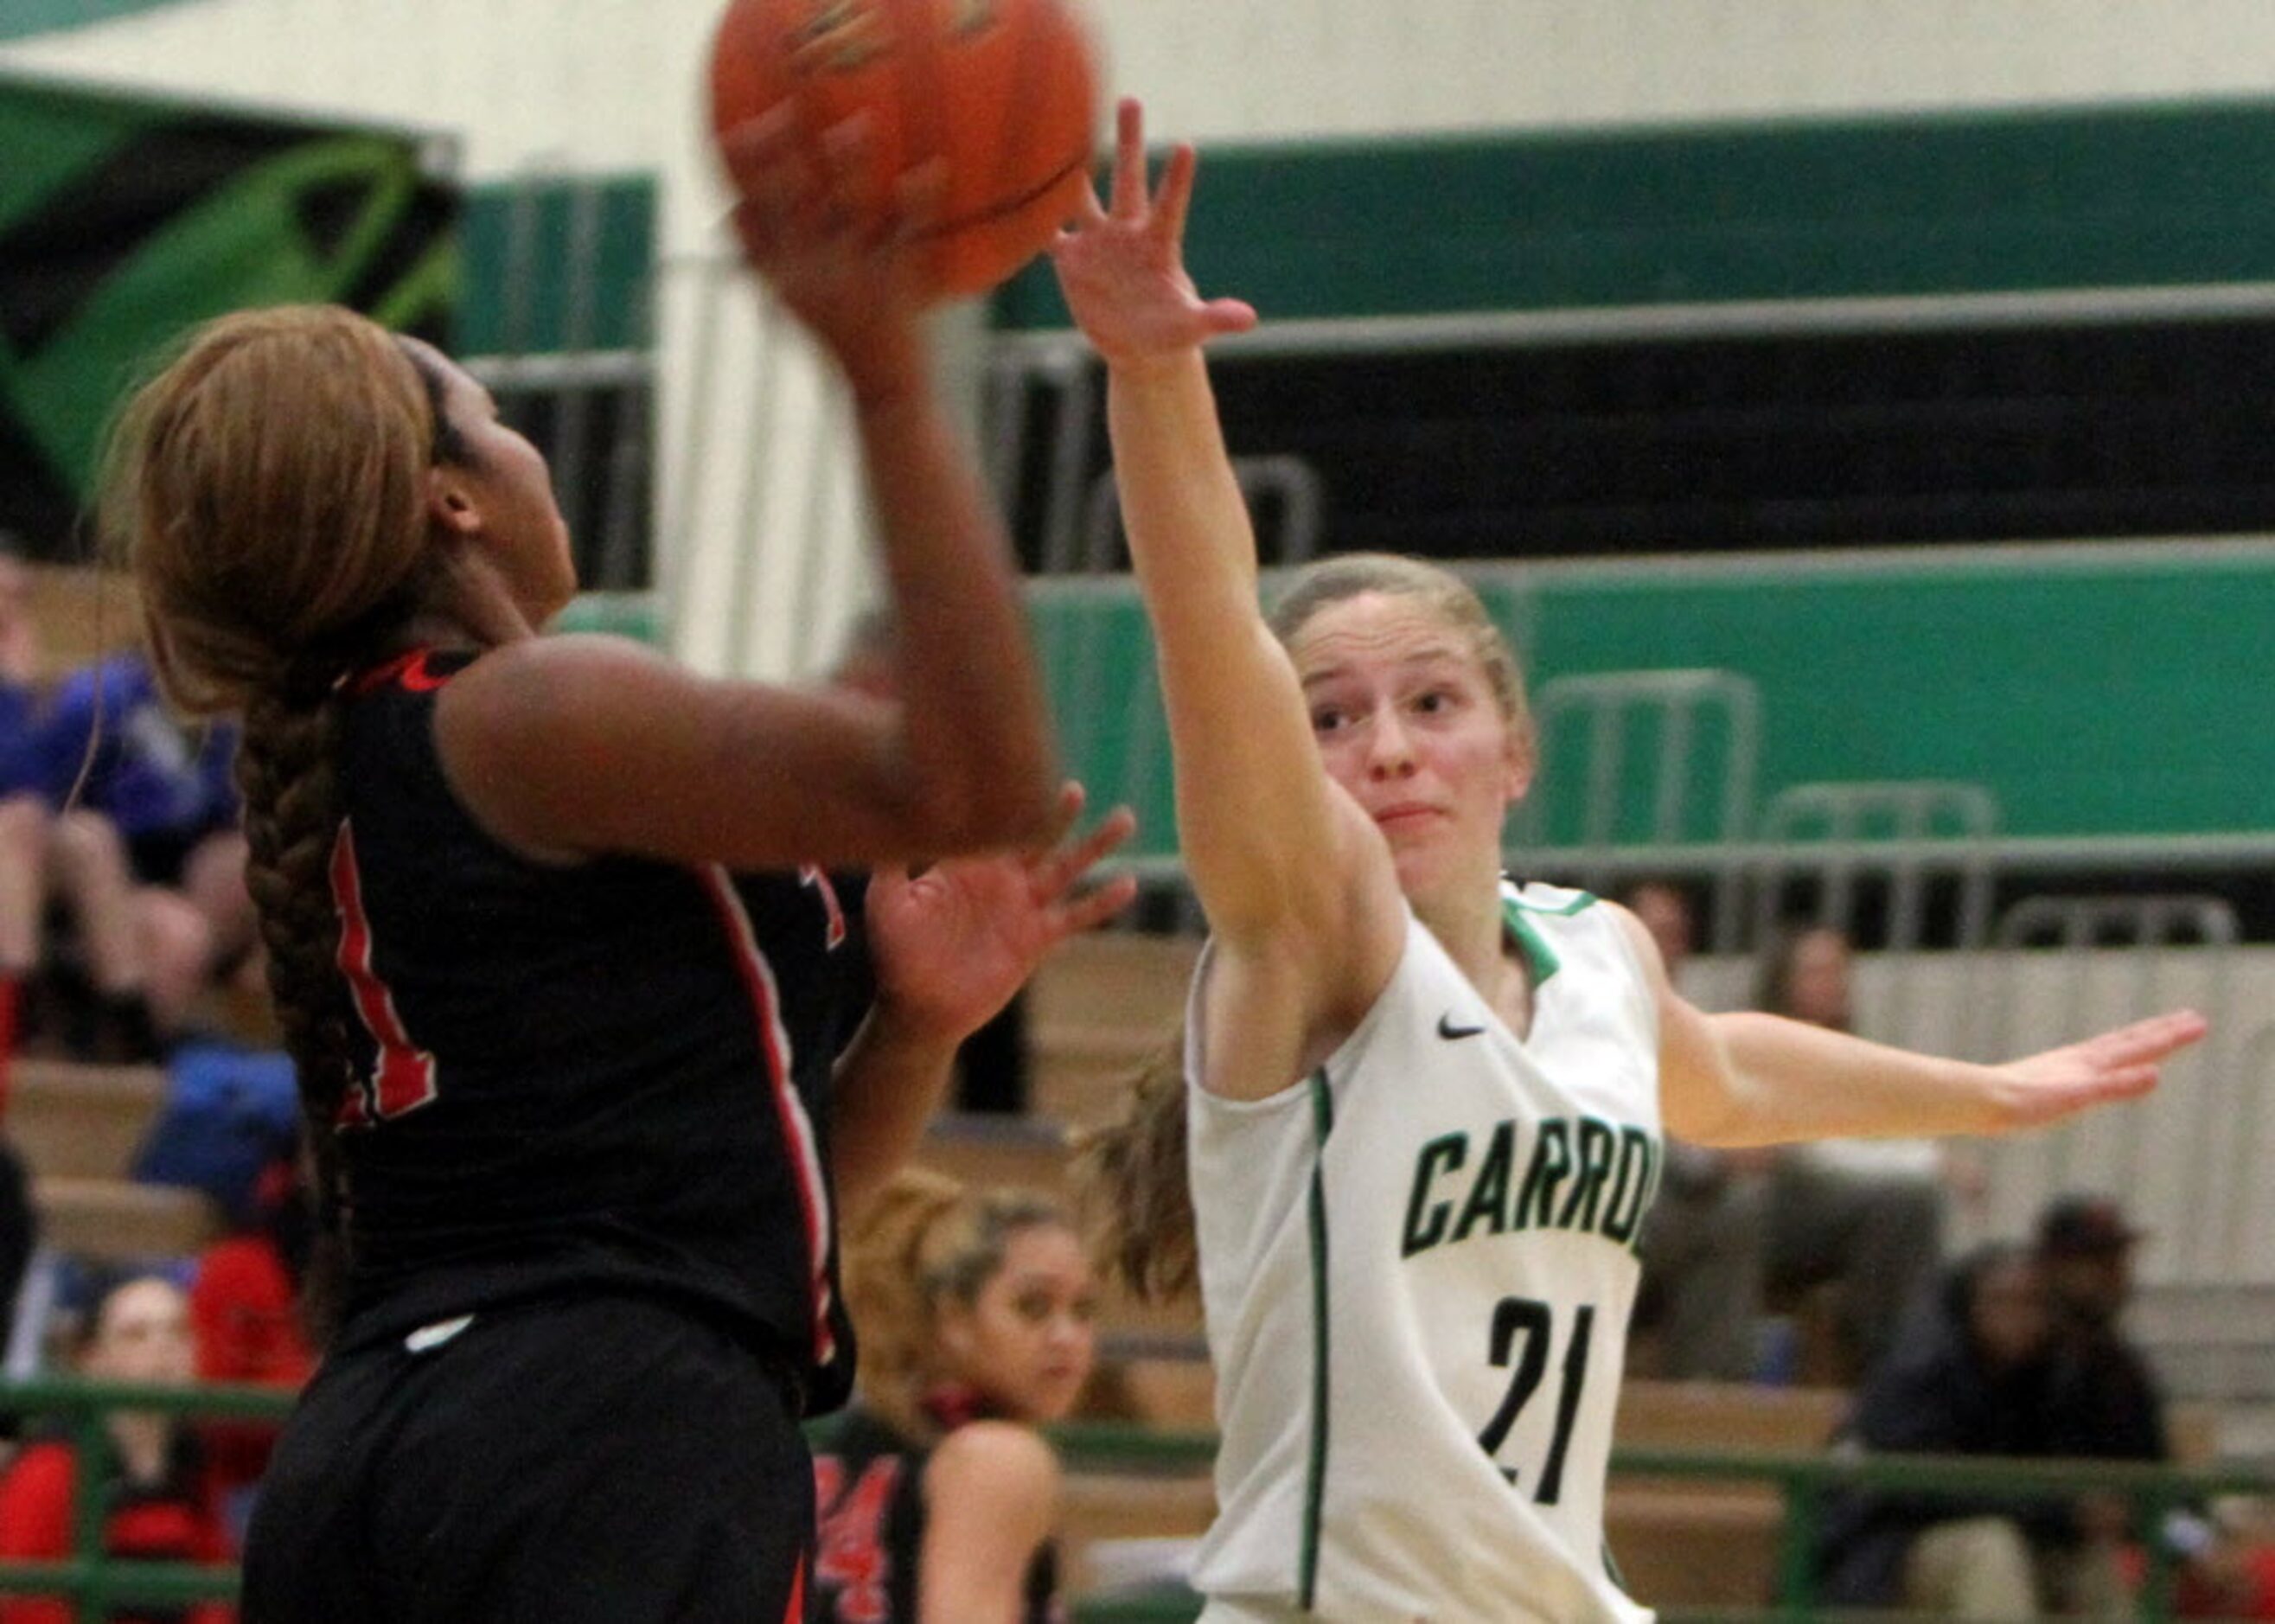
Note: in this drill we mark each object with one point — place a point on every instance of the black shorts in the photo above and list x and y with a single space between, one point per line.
607 1460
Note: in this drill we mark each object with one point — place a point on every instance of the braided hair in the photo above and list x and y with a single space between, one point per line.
266 488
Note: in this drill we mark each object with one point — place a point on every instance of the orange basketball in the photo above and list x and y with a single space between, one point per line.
1004 91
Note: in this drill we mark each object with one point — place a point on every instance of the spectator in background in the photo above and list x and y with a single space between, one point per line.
63 863
165 788
244 1313
1970 1379
2109 1399
2103 1399
1702 1242
161 1507
934 1494
1865 1216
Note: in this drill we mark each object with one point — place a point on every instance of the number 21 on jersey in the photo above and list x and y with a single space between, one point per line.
1522 1330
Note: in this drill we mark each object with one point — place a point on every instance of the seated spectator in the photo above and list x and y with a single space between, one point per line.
1865 1216
934 1493
65 866
160 1508
246 1315
1970 1379
2103 1400
1702 1246
153 798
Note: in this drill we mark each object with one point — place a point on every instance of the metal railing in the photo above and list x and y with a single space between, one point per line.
1801 1481
94 1580
88 1578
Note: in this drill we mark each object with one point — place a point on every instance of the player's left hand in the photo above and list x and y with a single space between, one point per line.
953 943
2119 1064
1120 264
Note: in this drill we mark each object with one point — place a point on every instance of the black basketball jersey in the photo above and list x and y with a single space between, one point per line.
610 1074
868 1504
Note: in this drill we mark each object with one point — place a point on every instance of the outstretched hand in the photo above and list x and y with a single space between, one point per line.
843 252
1123 268
952 944
2119 1064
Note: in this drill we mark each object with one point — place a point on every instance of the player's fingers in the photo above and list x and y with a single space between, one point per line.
1174 198
1228 315
1067 864
1067 812
1098 904
2153 1039
756 152
849 187
1129 159
917 194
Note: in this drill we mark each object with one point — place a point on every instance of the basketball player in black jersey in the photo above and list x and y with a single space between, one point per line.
551 943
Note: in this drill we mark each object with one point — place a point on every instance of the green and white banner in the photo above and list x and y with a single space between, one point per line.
125 221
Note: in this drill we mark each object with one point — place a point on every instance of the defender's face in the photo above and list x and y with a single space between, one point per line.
1408 722
1029 1339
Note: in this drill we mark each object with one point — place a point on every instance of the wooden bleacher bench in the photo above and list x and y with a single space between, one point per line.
77 1128
112 1220
1098 1009
1708 1544
1101 1511
80 1121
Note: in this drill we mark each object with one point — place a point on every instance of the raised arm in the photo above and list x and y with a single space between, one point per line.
582 744
1747 1078
1275 853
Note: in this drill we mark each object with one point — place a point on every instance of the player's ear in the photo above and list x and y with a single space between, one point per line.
451 501
1521 757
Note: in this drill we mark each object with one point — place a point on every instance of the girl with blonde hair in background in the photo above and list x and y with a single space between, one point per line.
937 1494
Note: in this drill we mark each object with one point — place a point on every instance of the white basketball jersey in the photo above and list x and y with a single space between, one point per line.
1417 1266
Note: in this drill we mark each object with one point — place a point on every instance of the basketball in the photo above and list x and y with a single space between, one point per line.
1004 93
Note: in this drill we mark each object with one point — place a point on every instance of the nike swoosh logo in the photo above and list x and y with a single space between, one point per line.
1449 1031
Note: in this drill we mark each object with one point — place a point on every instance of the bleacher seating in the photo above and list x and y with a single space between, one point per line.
78 1127
1099 1009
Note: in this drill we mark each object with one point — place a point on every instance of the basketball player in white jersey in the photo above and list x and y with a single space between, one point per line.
1426 1103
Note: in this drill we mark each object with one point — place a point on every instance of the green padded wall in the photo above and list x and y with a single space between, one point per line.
2098 691
2109 197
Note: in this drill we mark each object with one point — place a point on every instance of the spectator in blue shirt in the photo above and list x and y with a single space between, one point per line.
168 825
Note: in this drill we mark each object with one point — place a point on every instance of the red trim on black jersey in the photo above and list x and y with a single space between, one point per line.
832 935
402 1075
408 667
796 1127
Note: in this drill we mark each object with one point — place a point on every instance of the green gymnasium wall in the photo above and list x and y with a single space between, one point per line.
2001 201
2118 694
527 287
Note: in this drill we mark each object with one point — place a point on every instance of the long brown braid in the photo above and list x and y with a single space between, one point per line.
1133 1174
267 489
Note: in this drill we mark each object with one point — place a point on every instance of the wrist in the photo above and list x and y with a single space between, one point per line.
886 368
911 1030
1143 368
